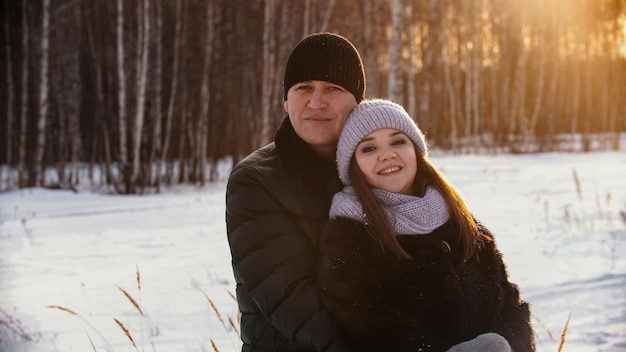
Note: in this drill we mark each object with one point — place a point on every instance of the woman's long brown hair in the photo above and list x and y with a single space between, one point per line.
379 225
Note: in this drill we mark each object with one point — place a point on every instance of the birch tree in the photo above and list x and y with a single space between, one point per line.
541 57
23 133
10 90
172 97
173 89
157 108
430 63
520 71
370 61
448 58
101 109
37 176
121 91
143 36
412 60
269 70
205 97
67 89
395 84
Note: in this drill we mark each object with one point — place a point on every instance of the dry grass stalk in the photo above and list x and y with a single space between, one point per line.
214 346
130 298
577 182
564 333
67 310
232 295
126 332
544 327
93 347
217 312
232 324
63 309
138 279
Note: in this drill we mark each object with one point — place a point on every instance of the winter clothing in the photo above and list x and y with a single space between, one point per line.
428 303
409 214
367 117
326 57
489 342
277 202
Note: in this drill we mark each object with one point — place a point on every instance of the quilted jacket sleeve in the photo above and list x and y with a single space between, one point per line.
273 260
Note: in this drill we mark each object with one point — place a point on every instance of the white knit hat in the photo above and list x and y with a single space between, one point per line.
367 117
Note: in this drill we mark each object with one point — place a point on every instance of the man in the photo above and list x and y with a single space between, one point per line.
278 198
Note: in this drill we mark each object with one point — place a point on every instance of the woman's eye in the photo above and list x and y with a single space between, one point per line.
367 149
400 142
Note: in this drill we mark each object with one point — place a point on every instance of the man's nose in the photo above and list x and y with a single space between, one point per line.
318 100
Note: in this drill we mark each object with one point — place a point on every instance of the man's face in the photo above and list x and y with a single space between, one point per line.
318 110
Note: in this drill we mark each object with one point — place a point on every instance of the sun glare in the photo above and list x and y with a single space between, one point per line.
622 40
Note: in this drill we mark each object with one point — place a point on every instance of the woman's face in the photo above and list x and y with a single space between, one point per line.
387 159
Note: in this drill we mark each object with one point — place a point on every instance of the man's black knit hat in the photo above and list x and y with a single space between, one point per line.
326 57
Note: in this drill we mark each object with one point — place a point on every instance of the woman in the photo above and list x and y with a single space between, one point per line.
406 266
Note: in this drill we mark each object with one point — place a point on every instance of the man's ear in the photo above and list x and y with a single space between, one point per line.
286 105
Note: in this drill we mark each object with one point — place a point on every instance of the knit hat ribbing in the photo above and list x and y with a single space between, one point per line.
367 117
326 57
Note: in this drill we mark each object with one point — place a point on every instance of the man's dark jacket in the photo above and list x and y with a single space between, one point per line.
428 303
277 202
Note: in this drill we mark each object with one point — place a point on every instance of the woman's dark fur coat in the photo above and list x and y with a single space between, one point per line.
428 303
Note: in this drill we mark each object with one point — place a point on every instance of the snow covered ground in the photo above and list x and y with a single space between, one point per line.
559 219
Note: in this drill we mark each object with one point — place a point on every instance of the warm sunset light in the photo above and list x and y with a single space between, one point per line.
622 39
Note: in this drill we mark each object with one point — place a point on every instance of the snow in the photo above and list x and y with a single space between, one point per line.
564 243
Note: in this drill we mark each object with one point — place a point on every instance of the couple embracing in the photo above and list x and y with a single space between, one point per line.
345 237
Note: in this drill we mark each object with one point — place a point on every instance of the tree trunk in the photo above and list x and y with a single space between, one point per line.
75 93
531 130
101 109
518 93
10 91
328 11
494 68
394 88
21 166
67 90
306 28
38 175
469 72
413 53
143 37
370 61
477 59
61 139
451 89
173 90
427 65
269 71
182 141
205 98
157 108
121 92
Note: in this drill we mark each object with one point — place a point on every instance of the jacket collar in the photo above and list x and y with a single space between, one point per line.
315 170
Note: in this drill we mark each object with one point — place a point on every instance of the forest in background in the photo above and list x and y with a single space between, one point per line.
144 94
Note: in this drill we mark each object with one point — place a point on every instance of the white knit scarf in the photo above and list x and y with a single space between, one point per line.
408 214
